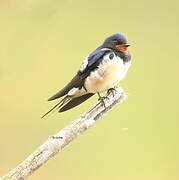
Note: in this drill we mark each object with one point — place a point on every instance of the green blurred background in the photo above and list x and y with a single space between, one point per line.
42 44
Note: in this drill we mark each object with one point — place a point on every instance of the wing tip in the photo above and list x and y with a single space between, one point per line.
75 102
56 96
50 99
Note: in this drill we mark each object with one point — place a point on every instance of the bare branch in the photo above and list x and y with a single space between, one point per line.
57 142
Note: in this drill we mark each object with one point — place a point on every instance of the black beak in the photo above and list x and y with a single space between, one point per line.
126 45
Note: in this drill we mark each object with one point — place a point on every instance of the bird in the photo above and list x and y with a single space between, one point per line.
100 71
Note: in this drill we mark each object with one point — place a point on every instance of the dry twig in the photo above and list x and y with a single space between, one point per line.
57 142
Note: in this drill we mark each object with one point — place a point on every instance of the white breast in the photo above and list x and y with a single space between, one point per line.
108 74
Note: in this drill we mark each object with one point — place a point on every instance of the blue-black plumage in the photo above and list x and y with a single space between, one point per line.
101 70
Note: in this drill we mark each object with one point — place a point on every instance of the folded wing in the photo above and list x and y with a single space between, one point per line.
77 81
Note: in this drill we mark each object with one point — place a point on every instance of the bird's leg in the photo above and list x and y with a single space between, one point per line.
84 88
101 98
111 90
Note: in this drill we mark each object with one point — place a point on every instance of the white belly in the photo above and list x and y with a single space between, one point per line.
108 75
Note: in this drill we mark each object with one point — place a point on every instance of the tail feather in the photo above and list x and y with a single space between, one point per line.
75 102
58 105
68 102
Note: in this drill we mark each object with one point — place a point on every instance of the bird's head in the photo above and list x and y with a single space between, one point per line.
117 42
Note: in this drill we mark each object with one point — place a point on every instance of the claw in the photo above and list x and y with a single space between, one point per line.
101 98
111 90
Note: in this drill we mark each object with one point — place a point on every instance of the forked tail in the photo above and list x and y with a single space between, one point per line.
58 105
69 102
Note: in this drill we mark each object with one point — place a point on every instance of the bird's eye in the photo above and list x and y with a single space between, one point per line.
115 40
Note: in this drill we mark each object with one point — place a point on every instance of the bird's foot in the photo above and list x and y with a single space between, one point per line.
102 98
111 90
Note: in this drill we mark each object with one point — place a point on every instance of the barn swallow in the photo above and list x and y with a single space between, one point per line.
100 71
